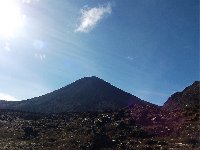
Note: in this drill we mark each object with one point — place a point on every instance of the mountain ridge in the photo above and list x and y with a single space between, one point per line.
72 83
85 94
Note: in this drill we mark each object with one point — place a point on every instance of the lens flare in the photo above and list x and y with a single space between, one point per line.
11 18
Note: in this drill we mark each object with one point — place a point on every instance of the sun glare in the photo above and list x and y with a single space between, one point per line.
11 18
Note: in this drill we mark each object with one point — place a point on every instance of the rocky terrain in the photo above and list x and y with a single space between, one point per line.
108 130
139 125
178 116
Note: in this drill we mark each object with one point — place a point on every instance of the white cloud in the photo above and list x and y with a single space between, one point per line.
40 56
29 1
26 1
7 46
130 58
7 97
91 16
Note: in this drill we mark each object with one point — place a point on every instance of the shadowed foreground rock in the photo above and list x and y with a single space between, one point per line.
87 131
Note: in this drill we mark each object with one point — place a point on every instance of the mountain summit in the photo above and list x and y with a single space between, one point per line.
85 94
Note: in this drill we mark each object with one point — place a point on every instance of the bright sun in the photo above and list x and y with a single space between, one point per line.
11 18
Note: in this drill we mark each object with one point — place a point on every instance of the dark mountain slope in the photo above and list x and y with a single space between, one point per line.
184 107
188 98
178 116
86 94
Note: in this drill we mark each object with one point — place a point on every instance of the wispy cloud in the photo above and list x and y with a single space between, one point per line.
29 1
130 58
91 16
7 97
7 46
152 93
40 56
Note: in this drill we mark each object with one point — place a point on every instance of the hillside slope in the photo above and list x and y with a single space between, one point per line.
188 98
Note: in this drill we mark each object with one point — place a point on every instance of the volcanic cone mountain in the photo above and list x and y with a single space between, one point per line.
86 94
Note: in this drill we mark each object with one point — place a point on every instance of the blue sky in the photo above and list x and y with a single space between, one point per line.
147 48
